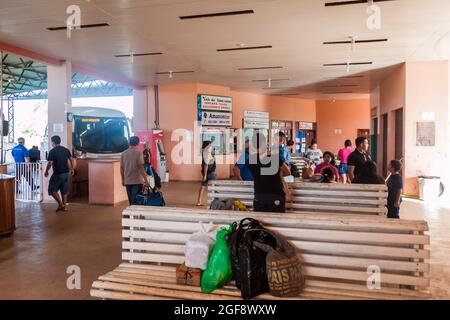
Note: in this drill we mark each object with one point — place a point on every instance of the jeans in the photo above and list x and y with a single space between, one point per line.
269 203
132 191
393 212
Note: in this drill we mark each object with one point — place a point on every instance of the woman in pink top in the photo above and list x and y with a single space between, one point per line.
343 156
328 162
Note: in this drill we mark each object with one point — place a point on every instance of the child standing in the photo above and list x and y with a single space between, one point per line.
395 188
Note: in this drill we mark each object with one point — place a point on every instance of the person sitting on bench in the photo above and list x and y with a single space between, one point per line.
368 174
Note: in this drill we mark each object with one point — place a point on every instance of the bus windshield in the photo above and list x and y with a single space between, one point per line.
101 135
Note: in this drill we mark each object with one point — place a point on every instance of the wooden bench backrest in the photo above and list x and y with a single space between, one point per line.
312 197
333 248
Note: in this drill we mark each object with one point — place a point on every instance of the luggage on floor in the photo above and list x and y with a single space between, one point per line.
149 198
218 204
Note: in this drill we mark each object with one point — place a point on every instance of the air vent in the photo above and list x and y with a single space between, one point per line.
259 68
265 80
346 77
138 54
346 3
244 48
175 72
83 26
338 92
345 63
217 14
356 41
341 86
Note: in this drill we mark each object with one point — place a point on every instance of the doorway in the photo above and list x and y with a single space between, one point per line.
399 134
385 143
373 140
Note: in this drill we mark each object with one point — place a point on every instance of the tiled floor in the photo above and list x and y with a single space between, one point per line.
34 261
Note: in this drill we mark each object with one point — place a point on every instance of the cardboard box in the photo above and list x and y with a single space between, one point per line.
188 276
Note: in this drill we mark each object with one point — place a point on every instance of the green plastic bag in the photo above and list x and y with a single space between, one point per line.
218 270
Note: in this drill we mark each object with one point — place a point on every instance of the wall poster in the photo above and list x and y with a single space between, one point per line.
426 134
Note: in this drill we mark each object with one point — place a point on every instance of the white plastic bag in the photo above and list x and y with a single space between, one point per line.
198 247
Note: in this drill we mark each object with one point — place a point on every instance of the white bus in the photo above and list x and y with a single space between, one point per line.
99 132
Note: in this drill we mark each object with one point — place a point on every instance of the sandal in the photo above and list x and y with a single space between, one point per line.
60 209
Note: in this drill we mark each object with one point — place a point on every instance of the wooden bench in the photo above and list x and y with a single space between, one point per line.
336 252
299 161
308 197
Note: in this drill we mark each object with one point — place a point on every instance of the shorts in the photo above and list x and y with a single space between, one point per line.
210 176
59 182
343 168
269 203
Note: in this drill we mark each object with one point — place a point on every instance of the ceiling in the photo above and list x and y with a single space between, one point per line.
27 79
296 30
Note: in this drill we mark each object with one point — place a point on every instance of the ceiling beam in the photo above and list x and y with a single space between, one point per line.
29 54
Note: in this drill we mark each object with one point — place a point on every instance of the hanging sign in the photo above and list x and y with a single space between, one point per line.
255 123
214 103
305 126
220 119
256 114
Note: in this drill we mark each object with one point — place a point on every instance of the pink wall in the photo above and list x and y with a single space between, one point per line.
346 115
392 97
418 87
178 109
427 90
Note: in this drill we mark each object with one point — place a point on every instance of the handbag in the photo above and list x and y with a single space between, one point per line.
284 270
252 263
247 261
233 242
149 198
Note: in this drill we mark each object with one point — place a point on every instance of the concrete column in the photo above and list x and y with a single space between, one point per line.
59 81
143 109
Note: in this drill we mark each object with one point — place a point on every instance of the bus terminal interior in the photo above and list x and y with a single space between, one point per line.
179 73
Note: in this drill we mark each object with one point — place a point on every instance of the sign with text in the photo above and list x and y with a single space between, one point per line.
256 114
214 103
305 126
255 123
220 119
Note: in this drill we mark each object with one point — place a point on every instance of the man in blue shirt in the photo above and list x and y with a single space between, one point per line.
241 169
282 148
20 153
21 156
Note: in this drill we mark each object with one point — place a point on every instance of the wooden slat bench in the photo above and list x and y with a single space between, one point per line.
299 161
310 197
336 251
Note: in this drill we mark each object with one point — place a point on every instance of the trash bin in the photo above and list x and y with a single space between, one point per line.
430 188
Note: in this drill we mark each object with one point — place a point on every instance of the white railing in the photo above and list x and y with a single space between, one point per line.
29 182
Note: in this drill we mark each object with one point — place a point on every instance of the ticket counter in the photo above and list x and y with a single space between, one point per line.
7 207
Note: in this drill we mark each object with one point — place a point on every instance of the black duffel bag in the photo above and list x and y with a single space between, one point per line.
248 262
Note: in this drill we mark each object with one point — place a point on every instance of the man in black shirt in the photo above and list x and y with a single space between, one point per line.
358 158
268 171
60 159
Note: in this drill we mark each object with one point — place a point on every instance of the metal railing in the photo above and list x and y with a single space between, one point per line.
29 178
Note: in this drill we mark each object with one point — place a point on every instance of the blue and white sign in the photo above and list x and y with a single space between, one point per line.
220 119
